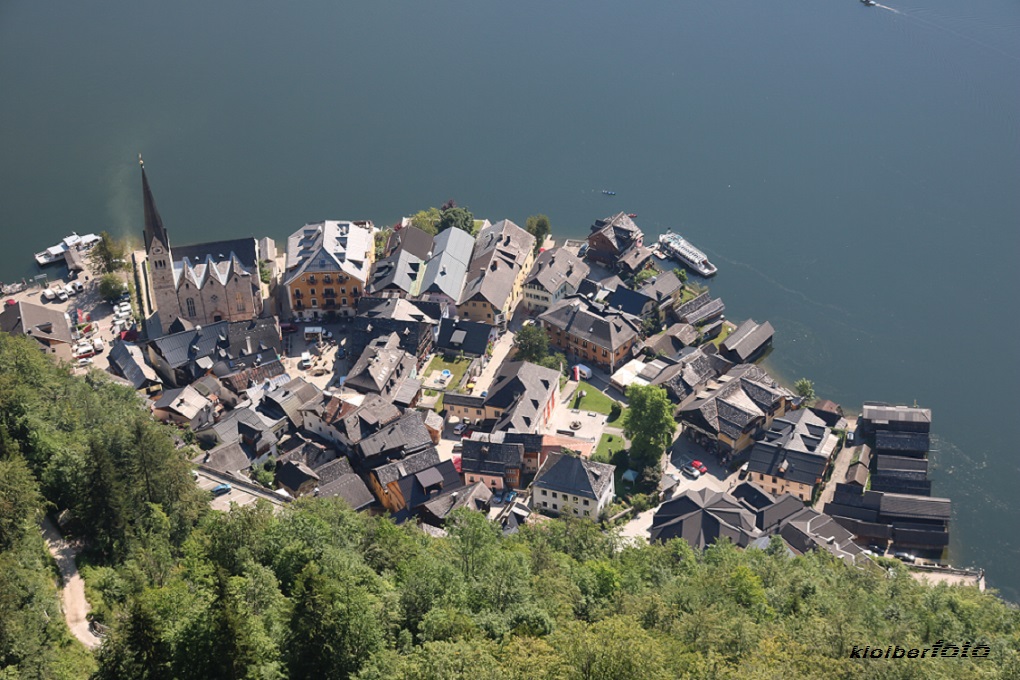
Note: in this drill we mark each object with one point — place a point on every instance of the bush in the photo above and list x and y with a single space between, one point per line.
111 287
642 501
614 411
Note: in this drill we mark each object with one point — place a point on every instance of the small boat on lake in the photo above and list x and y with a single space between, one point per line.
868 3
631 215
607 192
72 242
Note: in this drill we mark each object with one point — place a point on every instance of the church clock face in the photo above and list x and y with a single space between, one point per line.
157 251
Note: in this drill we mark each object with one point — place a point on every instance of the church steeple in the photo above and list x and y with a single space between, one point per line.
153 223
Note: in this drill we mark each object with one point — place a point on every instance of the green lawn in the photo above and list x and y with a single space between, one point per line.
595 400
723 334
457 367
609 444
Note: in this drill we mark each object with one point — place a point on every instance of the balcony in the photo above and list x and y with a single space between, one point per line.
329 303
311 279
298 294
298 305
329 293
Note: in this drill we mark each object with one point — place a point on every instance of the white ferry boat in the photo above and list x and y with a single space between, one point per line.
72 242
677 247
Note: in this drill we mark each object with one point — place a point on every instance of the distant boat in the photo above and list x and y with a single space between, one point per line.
869 3
607 192
631 215
72 242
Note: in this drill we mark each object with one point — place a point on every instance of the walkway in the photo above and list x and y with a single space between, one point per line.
72 594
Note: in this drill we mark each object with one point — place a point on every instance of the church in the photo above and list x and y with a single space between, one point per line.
202 283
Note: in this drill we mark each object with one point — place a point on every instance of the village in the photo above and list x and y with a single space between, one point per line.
416 373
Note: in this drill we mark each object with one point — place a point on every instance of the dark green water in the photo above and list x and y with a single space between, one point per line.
853 171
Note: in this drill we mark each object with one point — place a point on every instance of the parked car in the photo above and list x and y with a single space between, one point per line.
288 328
84 361
124 297
49 294
509 497
459 429
78 286
690 471
98 345
70 290
906 557
61 295
341 353
497 498
221 489
700 466
583 371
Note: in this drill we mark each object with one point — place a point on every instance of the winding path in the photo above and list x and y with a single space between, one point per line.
72 593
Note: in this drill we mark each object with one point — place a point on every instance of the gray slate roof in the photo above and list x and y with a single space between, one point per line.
592 322
470 337
446 270
35 321
555 268
747 340
748 393
490 458
406 467
574 475
702 517
382 368
408 434
499 255
127 359
337 478
223 340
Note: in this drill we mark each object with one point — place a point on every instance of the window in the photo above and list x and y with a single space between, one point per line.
354 291
586 503
343 301
311 291
575 511
555 507
190 302
544 504
605 353
239 301
544 492
587 514
470 478
575 499
554 494
488 316
479 411
315 303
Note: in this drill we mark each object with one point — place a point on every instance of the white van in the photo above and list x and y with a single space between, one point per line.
49 294
306 360
583 371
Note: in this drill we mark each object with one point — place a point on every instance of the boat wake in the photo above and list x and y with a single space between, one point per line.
913 16
880 6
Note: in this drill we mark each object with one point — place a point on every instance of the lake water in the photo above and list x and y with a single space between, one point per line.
853 171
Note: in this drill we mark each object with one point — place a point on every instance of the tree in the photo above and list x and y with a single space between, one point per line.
538 226
805 388
111 286
532 343
456 217
109 253
427 220
643 276
681 274
19 500
648 422
382 237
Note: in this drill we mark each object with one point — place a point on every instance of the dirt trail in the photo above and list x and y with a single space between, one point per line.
72 594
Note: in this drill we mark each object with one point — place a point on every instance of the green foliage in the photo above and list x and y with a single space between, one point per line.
266 271
532 343
109 254
382 237
427 220
805 388
643 276
648 423
538 226
681 274
111 286
451 216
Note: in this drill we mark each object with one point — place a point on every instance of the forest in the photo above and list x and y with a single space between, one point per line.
316 590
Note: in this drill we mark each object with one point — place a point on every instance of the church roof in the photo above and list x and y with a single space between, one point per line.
153 222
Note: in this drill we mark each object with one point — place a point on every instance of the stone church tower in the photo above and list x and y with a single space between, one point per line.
162 286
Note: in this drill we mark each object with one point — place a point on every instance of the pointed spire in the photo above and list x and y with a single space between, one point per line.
153 222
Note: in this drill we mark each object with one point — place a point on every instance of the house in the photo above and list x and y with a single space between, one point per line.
521 399
202 283
632 302
793 455
415 322
570 485
617 241
598 290
404 486
699 310
50 329
242 378
127 360
410 239
346 421
385 369
881 417
901 474
555 274
473 497
671 342
397 275
496 464
747 342
457 336
399 439
254 428
288 400
233 459
184 406
500 262
703 516
733 410
222 347
693 371
338 479
591 333
446 268
909 521
666 289
638 372
328 266
296 478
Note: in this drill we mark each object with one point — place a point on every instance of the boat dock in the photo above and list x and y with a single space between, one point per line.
73 258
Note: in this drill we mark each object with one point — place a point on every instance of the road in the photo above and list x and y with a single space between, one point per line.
72 593
240 493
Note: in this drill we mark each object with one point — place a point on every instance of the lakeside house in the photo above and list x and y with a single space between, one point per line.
617 242
328 266
501 260
793 455
591 333
50 329
747 342
202 283
556 274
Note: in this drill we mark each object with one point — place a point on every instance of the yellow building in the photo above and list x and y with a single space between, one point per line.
328 264
500 263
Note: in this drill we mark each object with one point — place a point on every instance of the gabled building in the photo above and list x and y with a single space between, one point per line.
501 260
703 516
731 411
700 310
385 369
397 275
415 322
555 274
404 486
184 406
666 289
128 361
570 485
396 440
521 399
338 479
909 521
633 302
202 283
471 338
289 401
475 497
328 267
296 478
446 268
748 342
345 422
496 464
695 369
672 342
793 455
591 333
50 329
224 346
614 239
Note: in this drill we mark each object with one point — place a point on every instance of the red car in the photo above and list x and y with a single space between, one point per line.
699 466
288 328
